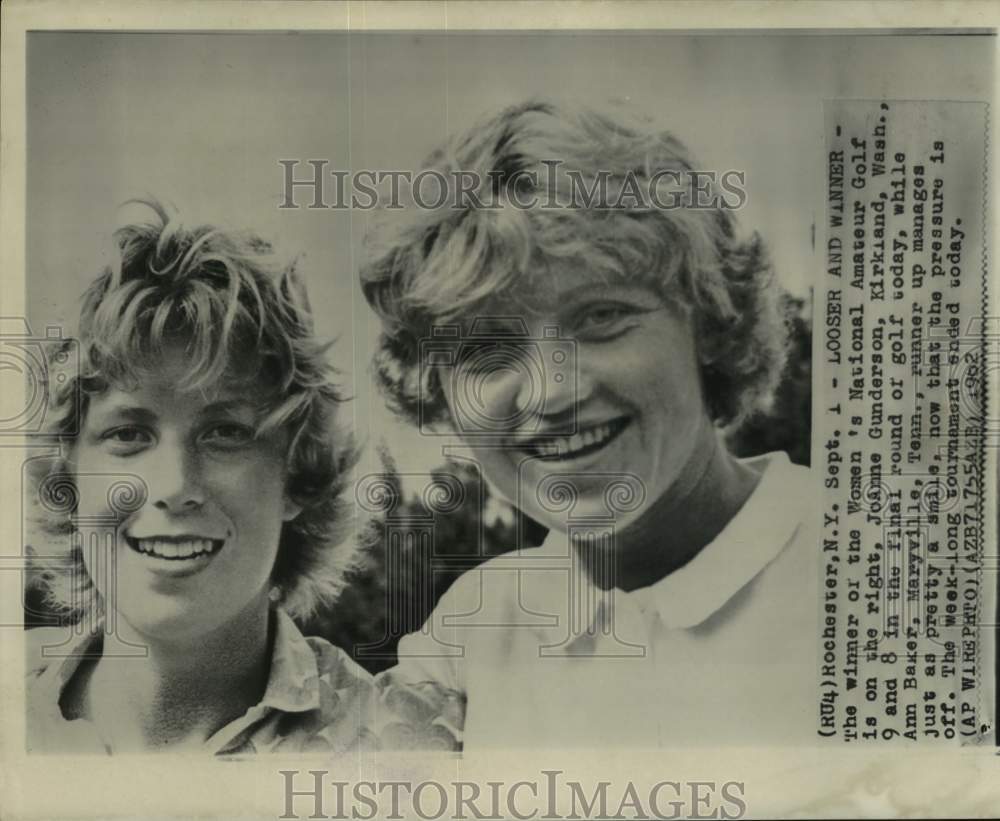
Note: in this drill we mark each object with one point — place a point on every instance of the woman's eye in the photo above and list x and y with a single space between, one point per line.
228 433
127 438
605 314
604 321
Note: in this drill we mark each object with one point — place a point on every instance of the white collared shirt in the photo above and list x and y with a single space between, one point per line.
722 651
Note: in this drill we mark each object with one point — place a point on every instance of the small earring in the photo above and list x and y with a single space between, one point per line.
274 594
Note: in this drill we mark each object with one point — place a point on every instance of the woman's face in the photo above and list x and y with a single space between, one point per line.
634 406
197 555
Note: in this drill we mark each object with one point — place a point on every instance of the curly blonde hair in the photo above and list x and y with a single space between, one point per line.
427 266
227 297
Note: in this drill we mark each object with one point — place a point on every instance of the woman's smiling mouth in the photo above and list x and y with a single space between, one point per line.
587 440
176 549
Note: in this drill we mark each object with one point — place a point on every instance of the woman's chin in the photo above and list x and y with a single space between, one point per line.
169 621
606 499
587 515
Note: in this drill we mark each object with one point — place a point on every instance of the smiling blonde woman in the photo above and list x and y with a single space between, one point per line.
598 350
203 390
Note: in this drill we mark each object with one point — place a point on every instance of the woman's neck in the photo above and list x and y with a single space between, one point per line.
183 691
678 525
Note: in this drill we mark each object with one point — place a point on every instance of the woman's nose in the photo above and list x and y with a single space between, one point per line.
540 381
174 480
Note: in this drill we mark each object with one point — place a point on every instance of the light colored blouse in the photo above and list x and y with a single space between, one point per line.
525 651
316 700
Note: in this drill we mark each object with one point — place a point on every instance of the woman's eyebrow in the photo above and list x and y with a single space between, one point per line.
556 299
229 405
591 291
133 413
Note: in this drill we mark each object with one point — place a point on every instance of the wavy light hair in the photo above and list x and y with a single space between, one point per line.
444 265
238 309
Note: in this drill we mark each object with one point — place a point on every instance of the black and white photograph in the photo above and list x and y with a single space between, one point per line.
551 421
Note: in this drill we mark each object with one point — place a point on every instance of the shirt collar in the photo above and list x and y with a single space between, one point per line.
292 684
57 668
748 543
690 595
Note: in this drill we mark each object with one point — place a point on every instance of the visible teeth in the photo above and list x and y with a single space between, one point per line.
175 549
564 445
